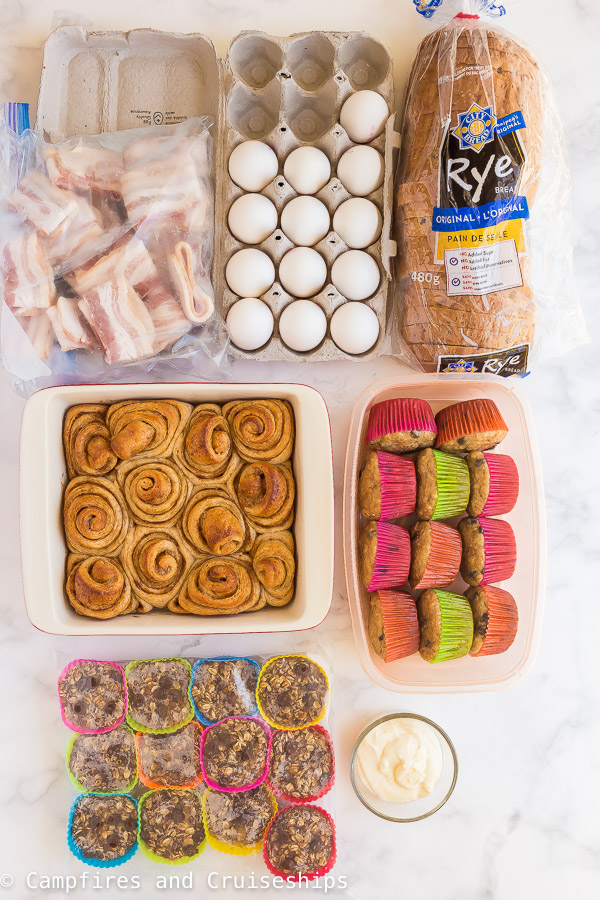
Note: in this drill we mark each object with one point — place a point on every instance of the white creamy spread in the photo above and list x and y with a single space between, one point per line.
400 760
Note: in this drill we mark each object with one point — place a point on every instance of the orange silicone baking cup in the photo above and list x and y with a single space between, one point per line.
444 557
147 781
503 621
400 623
468 417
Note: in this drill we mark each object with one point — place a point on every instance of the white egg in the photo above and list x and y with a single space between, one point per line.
252 218
302 325
354 327
355 274
302 272
307 169
250 323
250 272
358 222
305 220
252 165
363 116
360 170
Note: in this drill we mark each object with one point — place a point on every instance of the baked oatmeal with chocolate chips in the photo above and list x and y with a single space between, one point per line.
171 824
92 695
293 691
104 762
300 840
104 828
235 752
157 693
171 760
224 687
301 764
240 819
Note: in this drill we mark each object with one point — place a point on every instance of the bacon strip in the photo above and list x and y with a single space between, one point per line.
128 258
80 234
120 321
28 277
44 206
170 323
197 304
71 331
84 168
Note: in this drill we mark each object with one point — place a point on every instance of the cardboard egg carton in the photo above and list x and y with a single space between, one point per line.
285 91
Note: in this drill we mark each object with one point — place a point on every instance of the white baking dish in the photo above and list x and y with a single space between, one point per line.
43 549
528 520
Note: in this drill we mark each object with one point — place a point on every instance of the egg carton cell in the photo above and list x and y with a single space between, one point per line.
254 115
309 117
310 61
365 62
255 60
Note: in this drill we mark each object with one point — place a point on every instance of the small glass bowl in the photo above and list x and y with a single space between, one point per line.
414 810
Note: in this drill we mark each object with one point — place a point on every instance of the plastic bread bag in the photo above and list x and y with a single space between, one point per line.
106 246
484 273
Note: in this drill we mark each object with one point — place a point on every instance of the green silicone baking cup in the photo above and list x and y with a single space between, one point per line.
453 485
456 636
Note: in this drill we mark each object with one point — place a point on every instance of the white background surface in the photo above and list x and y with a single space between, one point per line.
523 821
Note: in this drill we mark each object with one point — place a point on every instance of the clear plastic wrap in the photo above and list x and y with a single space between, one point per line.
484 278
106 248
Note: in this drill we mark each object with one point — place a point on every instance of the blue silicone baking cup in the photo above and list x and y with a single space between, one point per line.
88 860
207 659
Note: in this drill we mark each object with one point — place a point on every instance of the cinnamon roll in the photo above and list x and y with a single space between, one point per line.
86 440
204 449
95 516
261 429
214 524
266 495
97 587
220 586
146 426
155 490
156 561
275 566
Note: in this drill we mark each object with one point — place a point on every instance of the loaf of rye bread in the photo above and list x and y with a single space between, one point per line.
462 63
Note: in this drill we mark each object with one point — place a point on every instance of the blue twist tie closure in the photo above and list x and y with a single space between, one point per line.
427 8
16 115
88 860
197 665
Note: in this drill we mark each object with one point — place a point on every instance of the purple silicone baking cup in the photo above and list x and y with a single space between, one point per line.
246 787
71 725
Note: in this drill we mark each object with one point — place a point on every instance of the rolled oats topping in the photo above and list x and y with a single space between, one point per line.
92 695
224 687
171 760
300 840
235 753
104 762
301 763
293 691
157 693
104 828
241 818
171 823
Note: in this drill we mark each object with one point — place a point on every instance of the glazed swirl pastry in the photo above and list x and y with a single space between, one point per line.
87 441
98 587
146 426
156 562
204 449
275 566
214 524
266 494
220 586
95 516
155 490
261 429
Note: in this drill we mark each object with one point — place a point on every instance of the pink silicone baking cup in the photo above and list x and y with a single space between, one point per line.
503 621
504 484
403 414
298 800
468 417
398 485
309 876
245 787
500 549
392 559
71 725
444 557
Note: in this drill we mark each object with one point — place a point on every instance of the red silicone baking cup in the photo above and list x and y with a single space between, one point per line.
398 485
245 787
146 780
468 417
298 800
500 548
444 557
309 876
503 621
403 414
71 725
504 484
392 559
401 624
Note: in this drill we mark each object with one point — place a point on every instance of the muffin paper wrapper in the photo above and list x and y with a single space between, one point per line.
500 550
401 624
147 781
504 484
71 725
182 861
295 800
403 414
444 557
245 787
83 790
456 635
503 621
468 417
137 726
310 876
398 485
392 559
206 659
231 848
88 860
453 485
272 722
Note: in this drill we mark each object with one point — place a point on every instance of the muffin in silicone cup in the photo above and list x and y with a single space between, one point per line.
171 828
158 694
300 843
302 764
222 687
446 624
103 763
102 829
170 760
435 555
489 550
237 823
387 486
393 626
401 425
383 555
443 485
495 618
470 425
92 695
292 692
234 753
494 483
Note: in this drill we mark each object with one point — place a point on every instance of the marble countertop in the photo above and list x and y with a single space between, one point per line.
523 820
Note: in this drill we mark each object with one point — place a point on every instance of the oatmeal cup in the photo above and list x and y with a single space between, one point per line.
234 754
237 823
170 760
102 829
171 826
92 695
224 686
292 692
158 695
302 764
103 763
300 843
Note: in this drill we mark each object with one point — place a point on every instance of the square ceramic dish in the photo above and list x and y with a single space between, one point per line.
43 549
528 519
